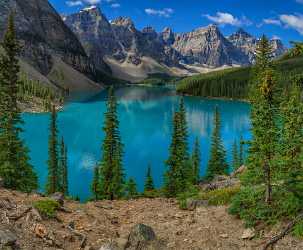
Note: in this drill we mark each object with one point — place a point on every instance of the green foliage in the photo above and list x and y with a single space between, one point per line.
111 176
217 163
298 230
191 192
131 189
47 208
63 169
149 183
53 181
219 197
236 157
196 162
159 79
15 168
95 183
179 169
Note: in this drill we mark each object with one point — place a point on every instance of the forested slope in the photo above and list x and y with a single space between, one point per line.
233 83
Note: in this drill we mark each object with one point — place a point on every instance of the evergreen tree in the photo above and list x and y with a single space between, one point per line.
63 169
111 170
179 172
264 55
292 140
15 169
217 163
241 152
131 189
196 161
236 157
53 181
95 183
149 183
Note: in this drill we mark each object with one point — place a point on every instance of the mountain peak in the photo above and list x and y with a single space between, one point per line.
123 21
90 8
241 33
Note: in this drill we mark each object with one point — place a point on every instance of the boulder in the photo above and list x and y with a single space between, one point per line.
110 246
8 239
248 234
143 237
59 197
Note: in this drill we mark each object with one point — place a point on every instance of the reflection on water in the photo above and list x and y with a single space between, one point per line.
145 115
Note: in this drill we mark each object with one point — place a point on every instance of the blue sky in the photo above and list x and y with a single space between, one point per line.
275 18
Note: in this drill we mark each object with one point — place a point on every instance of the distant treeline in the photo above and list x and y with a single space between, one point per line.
234 83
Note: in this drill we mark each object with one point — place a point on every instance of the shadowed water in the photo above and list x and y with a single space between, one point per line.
145 115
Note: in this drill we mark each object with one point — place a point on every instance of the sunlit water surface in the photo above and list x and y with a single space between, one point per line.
145 115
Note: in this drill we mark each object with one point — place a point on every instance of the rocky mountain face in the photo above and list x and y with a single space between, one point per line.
121 41
248 44
44 36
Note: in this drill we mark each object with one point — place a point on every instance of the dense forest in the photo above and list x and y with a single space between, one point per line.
234 82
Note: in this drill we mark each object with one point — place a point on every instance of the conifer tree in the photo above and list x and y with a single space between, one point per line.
63 169
292 140
236 156
263 147
131 189
15 169
241 152
95 183
53 181
196 161
111 174
217 163
149 183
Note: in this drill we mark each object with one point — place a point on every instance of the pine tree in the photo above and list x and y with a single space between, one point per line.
111 170
95 183
53 182
236 157
196 161
131 189
241 152
263 97
179 172
64 169
217 163
15 169
292 140
149 183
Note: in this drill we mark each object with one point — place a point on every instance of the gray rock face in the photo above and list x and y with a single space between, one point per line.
43 34
7 240
248 44
208 46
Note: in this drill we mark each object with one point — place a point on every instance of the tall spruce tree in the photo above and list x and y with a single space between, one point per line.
263 147
95 183
149 183
131 189
179 172
217 164
15 169
63 172
292 140
196 161
241 151
111 174
53 181
236 156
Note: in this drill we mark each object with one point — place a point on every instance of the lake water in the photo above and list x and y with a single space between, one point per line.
145 115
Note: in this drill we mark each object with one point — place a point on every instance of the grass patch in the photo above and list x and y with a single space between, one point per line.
220 197
47 208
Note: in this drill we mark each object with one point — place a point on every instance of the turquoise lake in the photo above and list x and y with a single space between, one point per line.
145 115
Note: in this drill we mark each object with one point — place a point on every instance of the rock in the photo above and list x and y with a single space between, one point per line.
1 182
248 234
8 239
192 204
40 231
59 197
121 243
110 246
224 236
143 237
220 182
240 170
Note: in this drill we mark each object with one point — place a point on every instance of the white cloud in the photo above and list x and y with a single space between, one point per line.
92 2
276 37
222 18
115 5
167 12
293 21
272 21
74 3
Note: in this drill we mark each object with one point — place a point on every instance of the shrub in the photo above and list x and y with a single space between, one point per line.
191 193
47 208
220 197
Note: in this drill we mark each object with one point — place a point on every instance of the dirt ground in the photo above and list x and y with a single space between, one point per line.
96 223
